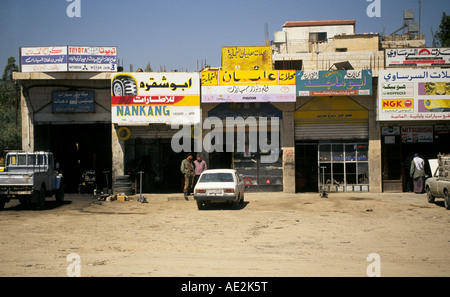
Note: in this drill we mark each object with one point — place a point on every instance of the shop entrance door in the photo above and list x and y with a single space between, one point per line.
306 167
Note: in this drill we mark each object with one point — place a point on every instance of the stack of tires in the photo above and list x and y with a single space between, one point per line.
122 185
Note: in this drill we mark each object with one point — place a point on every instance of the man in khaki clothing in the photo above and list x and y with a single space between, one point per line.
187 169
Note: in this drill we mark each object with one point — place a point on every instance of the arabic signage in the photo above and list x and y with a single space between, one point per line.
88 58
334 83
418 57
410 94
247 57
248 86
43 59
324 109
143 98
417 134
73 101
68 58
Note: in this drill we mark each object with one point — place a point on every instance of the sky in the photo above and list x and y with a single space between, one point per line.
183 34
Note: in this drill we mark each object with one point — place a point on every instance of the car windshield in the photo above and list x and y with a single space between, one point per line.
216 177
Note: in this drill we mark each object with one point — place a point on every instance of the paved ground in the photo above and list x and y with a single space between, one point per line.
272 234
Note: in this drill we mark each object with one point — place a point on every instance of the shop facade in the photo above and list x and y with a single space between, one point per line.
336 135
147 111
414 116
255 110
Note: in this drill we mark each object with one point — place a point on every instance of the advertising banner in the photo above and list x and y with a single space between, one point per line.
248 86
68 58
418 57
147 97
334 83
247 58
73 101
43 59
411 94
89 58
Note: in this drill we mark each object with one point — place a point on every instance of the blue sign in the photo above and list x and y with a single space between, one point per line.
73 102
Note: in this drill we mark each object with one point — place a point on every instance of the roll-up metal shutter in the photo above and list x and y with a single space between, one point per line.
336 131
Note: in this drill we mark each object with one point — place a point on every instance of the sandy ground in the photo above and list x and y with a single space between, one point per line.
272 234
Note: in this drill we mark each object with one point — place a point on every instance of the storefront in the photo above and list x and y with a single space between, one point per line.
332 131
144 106
71 118
414 115
244 104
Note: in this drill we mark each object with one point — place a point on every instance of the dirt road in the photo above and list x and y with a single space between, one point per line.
272 234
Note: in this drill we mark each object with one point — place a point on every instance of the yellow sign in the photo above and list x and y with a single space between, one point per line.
330 109
247 58
248 78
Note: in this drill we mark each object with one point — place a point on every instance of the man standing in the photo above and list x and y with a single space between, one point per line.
417 173
200 166
187 169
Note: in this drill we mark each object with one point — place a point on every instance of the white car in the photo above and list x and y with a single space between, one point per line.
219 185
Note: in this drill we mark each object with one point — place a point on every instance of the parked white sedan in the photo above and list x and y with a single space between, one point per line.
219 185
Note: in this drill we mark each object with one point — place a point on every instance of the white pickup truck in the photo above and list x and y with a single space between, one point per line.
30 177
438 186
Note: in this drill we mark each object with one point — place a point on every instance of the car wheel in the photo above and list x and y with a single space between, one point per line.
430 196
242 199
201 205
446 200
237 202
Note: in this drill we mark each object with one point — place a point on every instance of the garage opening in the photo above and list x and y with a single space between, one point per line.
77 149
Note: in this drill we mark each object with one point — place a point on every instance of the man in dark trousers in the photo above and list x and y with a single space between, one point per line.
199 167
187 169
417 173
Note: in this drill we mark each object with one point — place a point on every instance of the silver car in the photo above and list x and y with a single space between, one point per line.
219 185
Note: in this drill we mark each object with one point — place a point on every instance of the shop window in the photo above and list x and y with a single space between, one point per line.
343 167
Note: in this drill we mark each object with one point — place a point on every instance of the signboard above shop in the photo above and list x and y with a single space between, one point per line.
73 101
413 94
141 98
418 57
68 58
248 86
334 83
247 57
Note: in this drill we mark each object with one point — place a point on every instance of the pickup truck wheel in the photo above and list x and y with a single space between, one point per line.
2 202
446 200
430 196
60 194
41 200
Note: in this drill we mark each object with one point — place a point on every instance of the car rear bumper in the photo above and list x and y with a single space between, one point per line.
222 198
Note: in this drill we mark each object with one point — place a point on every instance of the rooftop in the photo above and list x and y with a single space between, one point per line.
319 23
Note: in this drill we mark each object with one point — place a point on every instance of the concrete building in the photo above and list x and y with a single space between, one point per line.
335 132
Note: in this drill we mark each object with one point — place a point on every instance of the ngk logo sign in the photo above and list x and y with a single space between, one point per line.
397 104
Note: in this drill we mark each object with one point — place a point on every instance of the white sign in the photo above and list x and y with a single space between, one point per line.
413 95
418 57
141 98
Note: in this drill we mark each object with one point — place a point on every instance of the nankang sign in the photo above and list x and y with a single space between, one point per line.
141 98
68 58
